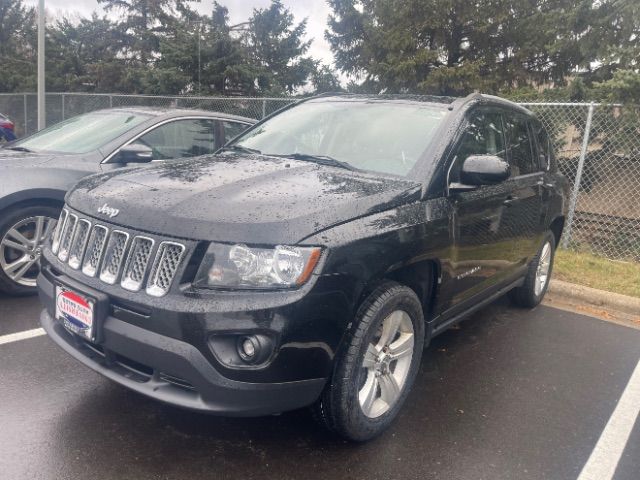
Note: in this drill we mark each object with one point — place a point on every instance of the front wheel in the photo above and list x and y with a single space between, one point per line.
538 276
377 366
22 235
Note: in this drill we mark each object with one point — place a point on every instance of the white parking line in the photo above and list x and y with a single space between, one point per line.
606 454
15 337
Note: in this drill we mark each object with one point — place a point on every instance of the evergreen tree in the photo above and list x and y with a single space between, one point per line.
277 50
324 80
17 53
457 46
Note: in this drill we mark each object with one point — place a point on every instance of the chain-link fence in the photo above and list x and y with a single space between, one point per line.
22 108
598 149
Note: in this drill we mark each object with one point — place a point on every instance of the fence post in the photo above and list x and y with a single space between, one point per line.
110 101
62 96
264 108
576 184
25 133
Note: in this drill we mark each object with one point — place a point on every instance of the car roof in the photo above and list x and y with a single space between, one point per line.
168 112
383 98
452 103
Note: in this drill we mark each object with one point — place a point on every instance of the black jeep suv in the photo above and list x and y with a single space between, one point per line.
309 262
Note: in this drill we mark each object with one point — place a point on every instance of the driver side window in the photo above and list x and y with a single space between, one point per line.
484 135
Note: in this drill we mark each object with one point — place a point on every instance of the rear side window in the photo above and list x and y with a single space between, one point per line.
520 146
545 149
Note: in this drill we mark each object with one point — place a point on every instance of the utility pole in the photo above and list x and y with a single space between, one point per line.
199 61
42 118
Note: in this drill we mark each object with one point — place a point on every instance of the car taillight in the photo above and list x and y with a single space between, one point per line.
7 125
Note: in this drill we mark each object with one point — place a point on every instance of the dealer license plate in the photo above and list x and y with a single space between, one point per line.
76 312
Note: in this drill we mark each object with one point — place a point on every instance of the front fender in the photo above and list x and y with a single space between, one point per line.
22 185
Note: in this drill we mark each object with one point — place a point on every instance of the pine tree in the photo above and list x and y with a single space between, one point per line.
277 50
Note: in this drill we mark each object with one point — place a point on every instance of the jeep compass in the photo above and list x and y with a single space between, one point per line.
310 261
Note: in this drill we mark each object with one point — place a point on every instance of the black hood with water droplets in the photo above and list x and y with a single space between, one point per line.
231 198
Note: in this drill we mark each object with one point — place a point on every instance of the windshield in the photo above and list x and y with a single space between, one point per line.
83 133
375 136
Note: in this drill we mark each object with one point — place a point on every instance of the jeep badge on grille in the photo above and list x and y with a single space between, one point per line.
109 211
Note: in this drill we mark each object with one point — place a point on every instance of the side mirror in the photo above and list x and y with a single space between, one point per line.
134 153
480 170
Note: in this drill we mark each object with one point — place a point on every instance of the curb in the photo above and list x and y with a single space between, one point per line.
580 294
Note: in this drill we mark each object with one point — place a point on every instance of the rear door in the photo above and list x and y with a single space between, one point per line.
524 215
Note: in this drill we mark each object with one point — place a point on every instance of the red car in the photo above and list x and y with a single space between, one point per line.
6 128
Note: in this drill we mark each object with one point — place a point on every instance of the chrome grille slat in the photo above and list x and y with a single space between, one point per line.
79 243
67 235
55 240
114 256
164 268
137 263
95 247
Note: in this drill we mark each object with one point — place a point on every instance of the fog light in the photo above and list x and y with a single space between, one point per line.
248 348
237 350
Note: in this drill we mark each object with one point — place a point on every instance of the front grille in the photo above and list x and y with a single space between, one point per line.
67 235
79 243
117 256
164 268
95 246
113 257
55 241
137 263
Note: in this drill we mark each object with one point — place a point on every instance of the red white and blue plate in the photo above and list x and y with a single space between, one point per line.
76 312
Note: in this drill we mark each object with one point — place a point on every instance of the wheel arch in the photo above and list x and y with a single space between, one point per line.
421 277
557 226
28 198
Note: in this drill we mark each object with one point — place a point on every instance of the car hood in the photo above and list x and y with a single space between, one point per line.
14 158
230 198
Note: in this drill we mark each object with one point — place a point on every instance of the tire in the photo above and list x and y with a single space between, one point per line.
356 387
16 252
531 293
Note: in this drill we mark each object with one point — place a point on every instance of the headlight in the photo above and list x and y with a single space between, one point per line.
246 267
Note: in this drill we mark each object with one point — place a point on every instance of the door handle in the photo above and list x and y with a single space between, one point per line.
542 183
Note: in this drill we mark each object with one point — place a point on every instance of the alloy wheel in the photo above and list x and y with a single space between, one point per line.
386 365
21 248
542 272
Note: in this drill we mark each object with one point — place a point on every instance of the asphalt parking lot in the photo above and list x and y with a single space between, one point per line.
510 394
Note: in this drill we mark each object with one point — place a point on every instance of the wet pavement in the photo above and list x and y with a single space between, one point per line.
510 394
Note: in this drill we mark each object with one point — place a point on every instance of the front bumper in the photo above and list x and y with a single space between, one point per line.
171 369
175 372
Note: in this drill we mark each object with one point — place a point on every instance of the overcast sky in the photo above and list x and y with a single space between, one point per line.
239 10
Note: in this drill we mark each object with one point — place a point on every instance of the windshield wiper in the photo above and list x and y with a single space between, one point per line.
240 148
19 149
320 159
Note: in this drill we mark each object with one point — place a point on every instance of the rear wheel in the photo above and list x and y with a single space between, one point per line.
377 367
536 282
22 235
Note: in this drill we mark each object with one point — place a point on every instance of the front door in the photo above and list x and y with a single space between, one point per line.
482 253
